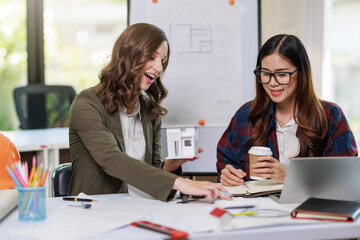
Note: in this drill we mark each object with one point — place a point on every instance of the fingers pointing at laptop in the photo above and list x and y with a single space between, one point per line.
231 176
269 167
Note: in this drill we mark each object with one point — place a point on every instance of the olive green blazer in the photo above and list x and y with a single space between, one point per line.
99 162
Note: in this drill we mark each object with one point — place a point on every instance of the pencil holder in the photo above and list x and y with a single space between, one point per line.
31 204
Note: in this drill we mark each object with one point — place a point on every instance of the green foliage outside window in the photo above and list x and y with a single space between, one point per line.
13 58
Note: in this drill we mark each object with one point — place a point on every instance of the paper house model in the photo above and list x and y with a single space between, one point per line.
182 142
220 219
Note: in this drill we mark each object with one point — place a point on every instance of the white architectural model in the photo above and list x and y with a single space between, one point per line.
182 142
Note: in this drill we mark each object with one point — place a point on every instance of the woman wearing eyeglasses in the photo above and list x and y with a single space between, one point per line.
285 116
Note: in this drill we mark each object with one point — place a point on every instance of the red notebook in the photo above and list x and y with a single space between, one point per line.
328 210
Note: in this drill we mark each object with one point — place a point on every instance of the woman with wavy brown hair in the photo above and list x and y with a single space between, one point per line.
285 116
115 141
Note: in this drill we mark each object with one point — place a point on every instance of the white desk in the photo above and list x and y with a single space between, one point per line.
47 142
322 230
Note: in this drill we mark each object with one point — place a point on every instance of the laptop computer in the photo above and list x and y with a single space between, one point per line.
322 177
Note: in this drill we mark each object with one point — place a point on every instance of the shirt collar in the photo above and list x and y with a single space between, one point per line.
287 125
133 113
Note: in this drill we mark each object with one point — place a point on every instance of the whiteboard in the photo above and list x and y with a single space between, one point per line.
213 47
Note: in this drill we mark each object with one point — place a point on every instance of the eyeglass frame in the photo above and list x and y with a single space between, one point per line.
273 75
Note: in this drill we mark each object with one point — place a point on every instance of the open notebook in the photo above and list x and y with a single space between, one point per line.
8 201
256 188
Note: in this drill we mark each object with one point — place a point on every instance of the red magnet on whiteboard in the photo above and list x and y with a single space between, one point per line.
201 122
231 2
154 1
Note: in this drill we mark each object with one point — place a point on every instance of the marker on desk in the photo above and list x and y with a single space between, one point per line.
173 233
244 213
76 199
240 206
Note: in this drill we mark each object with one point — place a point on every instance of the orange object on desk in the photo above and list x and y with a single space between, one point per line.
8 155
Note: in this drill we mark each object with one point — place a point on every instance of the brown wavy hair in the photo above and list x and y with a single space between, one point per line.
120 79
310 115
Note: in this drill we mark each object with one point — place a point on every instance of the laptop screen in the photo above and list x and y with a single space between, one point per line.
322 177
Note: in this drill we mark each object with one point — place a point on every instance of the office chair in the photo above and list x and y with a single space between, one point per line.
61 179
43 106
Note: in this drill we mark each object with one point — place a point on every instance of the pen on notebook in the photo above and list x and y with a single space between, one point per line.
173 233
76 199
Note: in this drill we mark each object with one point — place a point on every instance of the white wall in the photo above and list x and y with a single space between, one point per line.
302 18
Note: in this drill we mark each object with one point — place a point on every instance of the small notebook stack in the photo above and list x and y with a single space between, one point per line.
327 209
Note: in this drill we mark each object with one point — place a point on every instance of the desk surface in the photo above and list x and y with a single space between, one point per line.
35 139
319 230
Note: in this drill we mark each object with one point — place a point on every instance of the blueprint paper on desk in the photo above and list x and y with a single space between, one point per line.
114 212
237 203
195 217
74 221
278 215
111 213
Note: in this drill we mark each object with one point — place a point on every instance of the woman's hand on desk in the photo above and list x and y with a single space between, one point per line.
171 165
231 176
269 167
200 188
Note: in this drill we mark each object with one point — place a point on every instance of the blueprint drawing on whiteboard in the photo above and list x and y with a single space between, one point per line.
190 38
213 50
205 74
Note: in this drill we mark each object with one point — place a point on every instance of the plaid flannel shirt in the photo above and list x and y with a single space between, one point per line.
339 140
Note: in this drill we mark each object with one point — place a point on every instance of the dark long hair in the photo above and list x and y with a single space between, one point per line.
310 115
120 79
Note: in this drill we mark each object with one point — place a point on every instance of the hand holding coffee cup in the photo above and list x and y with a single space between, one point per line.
254 153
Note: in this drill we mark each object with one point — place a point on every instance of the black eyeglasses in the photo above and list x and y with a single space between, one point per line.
282 78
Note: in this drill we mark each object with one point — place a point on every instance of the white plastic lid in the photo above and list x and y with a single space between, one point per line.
258 150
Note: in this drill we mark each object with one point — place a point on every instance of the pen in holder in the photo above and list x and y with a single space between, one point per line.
31 204
31 189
